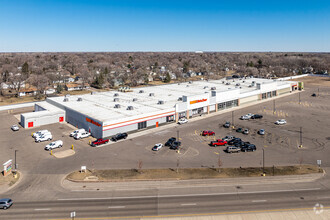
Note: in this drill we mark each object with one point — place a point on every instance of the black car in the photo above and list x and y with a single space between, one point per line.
233 141
314 95
256 116
227 124
119 136
248 147
239 130
170 141
175 145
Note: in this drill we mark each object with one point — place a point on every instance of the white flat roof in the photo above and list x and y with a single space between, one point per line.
100 105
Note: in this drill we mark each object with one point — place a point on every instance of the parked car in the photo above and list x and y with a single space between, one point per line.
246 131
81 135
175 145
227 124
256 116
182 121
15 128
119 136
239 143
261 131
81 130
231 149
244 117
44 137
5 203
208 133
314 95
228 138
99 141
248 147
280 122
233 141
53 145
157 147
239 130
38 133
170 141
218 142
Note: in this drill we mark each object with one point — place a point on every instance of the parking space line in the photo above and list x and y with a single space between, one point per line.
116 207
45 209
188 204
259 200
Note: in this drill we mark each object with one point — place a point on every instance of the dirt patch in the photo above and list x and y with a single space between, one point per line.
8 180
315 80
188 173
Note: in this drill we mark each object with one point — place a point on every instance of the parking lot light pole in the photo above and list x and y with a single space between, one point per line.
299 98
300 137
274 106
177 135
15 160
263 161
232 118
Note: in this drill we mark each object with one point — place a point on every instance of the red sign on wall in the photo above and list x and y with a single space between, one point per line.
93 122
197 101
61 119
30 124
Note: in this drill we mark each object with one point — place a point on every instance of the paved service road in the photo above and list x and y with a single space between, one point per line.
171 205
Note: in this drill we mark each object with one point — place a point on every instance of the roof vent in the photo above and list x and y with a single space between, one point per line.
180 99
187 86
116 94
179 83
151 94
117 106
223 82
205 87
213 88
190 82
141 91
116 99
92 93
130 108
79 99
67 95
160 102
135 99
65 100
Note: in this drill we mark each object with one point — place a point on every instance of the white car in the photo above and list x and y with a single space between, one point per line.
280 122
53 145
77 131
38 133
45 137
81 135
157 147
15 128
245 117
182 121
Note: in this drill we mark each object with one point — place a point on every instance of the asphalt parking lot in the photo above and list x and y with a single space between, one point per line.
280 143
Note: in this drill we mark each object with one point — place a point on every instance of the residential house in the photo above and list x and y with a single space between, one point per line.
28 91
76 86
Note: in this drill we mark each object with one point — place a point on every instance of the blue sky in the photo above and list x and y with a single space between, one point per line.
181 25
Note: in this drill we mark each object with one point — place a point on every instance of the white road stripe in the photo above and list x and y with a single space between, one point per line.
116 207
190 195
188 204
46 209
259 200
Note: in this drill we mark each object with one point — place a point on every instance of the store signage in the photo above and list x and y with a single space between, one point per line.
197 101
93 122
7 167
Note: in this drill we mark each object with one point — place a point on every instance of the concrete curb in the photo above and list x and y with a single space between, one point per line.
5 189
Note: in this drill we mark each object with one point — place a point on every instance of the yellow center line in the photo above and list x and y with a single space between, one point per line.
192 215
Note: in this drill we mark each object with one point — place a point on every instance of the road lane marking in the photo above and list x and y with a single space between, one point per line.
259 200
116 207
187 204
45 209
190 195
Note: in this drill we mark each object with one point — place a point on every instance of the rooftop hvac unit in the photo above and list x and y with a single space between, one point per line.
151 94
117 106
213 88
180 99
223 82
116 99
187 86
130 108
65 100
205 87
190 82
179 83
67 95
135 99
116 94
79 99
141 91
160 102
92 93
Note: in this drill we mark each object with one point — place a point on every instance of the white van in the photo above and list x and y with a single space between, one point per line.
81 130
44 137
38 133
81 135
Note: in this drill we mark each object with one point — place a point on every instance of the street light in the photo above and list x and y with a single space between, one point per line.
300 137
232 118
15 160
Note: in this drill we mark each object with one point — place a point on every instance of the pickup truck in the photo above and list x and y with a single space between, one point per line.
218 142
99 141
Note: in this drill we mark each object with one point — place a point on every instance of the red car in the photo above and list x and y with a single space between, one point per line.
99 142
218 142
208 133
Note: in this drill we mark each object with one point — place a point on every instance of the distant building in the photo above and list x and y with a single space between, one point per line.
76 86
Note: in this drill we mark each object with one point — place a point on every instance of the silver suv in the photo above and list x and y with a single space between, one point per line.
231 149
5 203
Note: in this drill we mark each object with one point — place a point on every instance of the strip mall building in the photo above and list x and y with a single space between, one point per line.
107 113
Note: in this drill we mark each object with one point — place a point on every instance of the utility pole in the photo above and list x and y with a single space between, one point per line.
15 160
263 161
300 137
